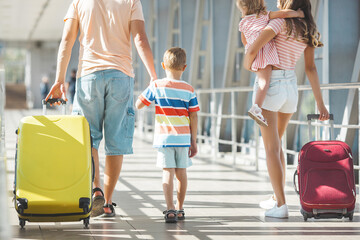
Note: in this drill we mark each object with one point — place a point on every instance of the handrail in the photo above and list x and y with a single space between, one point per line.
213 115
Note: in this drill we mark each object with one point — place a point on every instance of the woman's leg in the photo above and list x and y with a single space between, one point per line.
264 76
283 120
272 145
181 177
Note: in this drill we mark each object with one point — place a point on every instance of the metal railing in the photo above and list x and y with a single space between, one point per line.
209 138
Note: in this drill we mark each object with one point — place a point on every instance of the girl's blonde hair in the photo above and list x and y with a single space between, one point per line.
304 28
252 6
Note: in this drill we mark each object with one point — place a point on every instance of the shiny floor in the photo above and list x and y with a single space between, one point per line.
221 203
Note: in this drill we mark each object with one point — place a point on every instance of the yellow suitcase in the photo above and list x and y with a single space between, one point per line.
53 169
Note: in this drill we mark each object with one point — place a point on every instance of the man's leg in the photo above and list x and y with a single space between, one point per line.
113 166
95 155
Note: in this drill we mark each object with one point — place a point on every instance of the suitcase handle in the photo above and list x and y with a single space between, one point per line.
52 101
294 179
317 116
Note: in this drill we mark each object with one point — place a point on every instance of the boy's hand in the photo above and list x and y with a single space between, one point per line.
192 150
300 13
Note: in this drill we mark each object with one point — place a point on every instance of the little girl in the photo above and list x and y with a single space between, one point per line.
255 19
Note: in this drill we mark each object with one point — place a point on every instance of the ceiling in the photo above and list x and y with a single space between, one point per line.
32 20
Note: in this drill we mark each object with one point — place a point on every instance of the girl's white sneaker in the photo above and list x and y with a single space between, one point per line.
255 113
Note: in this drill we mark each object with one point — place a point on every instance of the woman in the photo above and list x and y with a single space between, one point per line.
292 38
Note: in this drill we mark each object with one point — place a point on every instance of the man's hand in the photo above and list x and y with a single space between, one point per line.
193 149
57 91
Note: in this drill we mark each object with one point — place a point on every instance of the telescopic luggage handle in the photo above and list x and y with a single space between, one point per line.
52 101
317 116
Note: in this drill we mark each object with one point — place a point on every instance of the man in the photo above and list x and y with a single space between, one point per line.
104 91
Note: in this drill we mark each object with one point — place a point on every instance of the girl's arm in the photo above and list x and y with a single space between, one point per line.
243 39
311 73
287 13
265 36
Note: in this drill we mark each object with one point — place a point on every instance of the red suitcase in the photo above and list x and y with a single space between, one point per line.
325 178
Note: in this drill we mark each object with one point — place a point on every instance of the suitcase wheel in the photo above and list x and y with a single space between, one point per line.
86 222
351 216
22 223
305 217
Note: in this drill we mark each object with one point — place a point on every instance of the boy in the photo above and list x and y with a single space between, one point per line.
175 128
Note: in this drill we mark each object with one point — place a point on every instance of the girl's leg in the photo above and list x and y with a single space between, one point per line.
168 187
272 148
181 187
264 76
283 120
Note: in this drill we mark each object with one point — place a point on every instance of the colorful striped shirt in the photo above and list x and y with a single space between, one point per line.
251 26
174 100
289 49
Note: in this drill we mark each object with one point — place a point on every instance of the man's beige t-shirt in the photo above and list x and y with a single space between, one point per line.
105 41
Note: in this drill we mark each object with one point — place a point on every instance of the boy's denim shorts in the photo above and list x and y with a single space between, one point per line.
105 98
173 157
282 95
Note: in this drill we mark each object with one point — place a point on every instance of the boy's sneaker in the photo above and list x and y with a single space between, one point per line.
278 212
255 113
269 203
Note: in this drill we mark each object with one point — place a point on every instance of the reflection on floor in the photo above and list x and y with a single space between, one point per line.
222 203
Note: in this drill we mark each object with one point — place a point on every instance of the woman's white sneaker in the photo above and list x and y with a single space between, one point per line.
269 203
278 212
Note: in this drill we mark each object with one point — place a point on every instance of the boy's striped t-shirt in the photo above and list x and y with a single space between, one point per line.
174 100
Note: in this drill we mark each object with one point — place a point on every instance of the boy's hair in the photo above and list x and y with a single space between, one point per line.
252 6
175 58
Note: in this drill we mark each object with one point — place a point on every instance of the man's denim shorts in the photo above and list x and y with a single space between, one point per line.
173 157
282 95
105 98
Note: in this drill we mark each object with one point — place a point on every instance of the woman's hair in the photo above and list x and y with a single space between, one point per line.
251 6
304 28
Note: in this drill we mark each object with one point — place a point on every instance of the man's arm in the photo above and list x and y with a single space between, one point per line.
193 132
265 36
287 13
70 32
137 28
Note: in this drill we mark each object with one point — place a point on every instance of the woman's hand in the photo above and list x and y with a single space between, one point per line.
247 62
265 36
324 114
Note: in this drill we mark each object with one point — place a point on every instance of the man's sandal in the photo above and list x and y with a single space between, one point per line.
168 218
181 214
112 210
98 203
